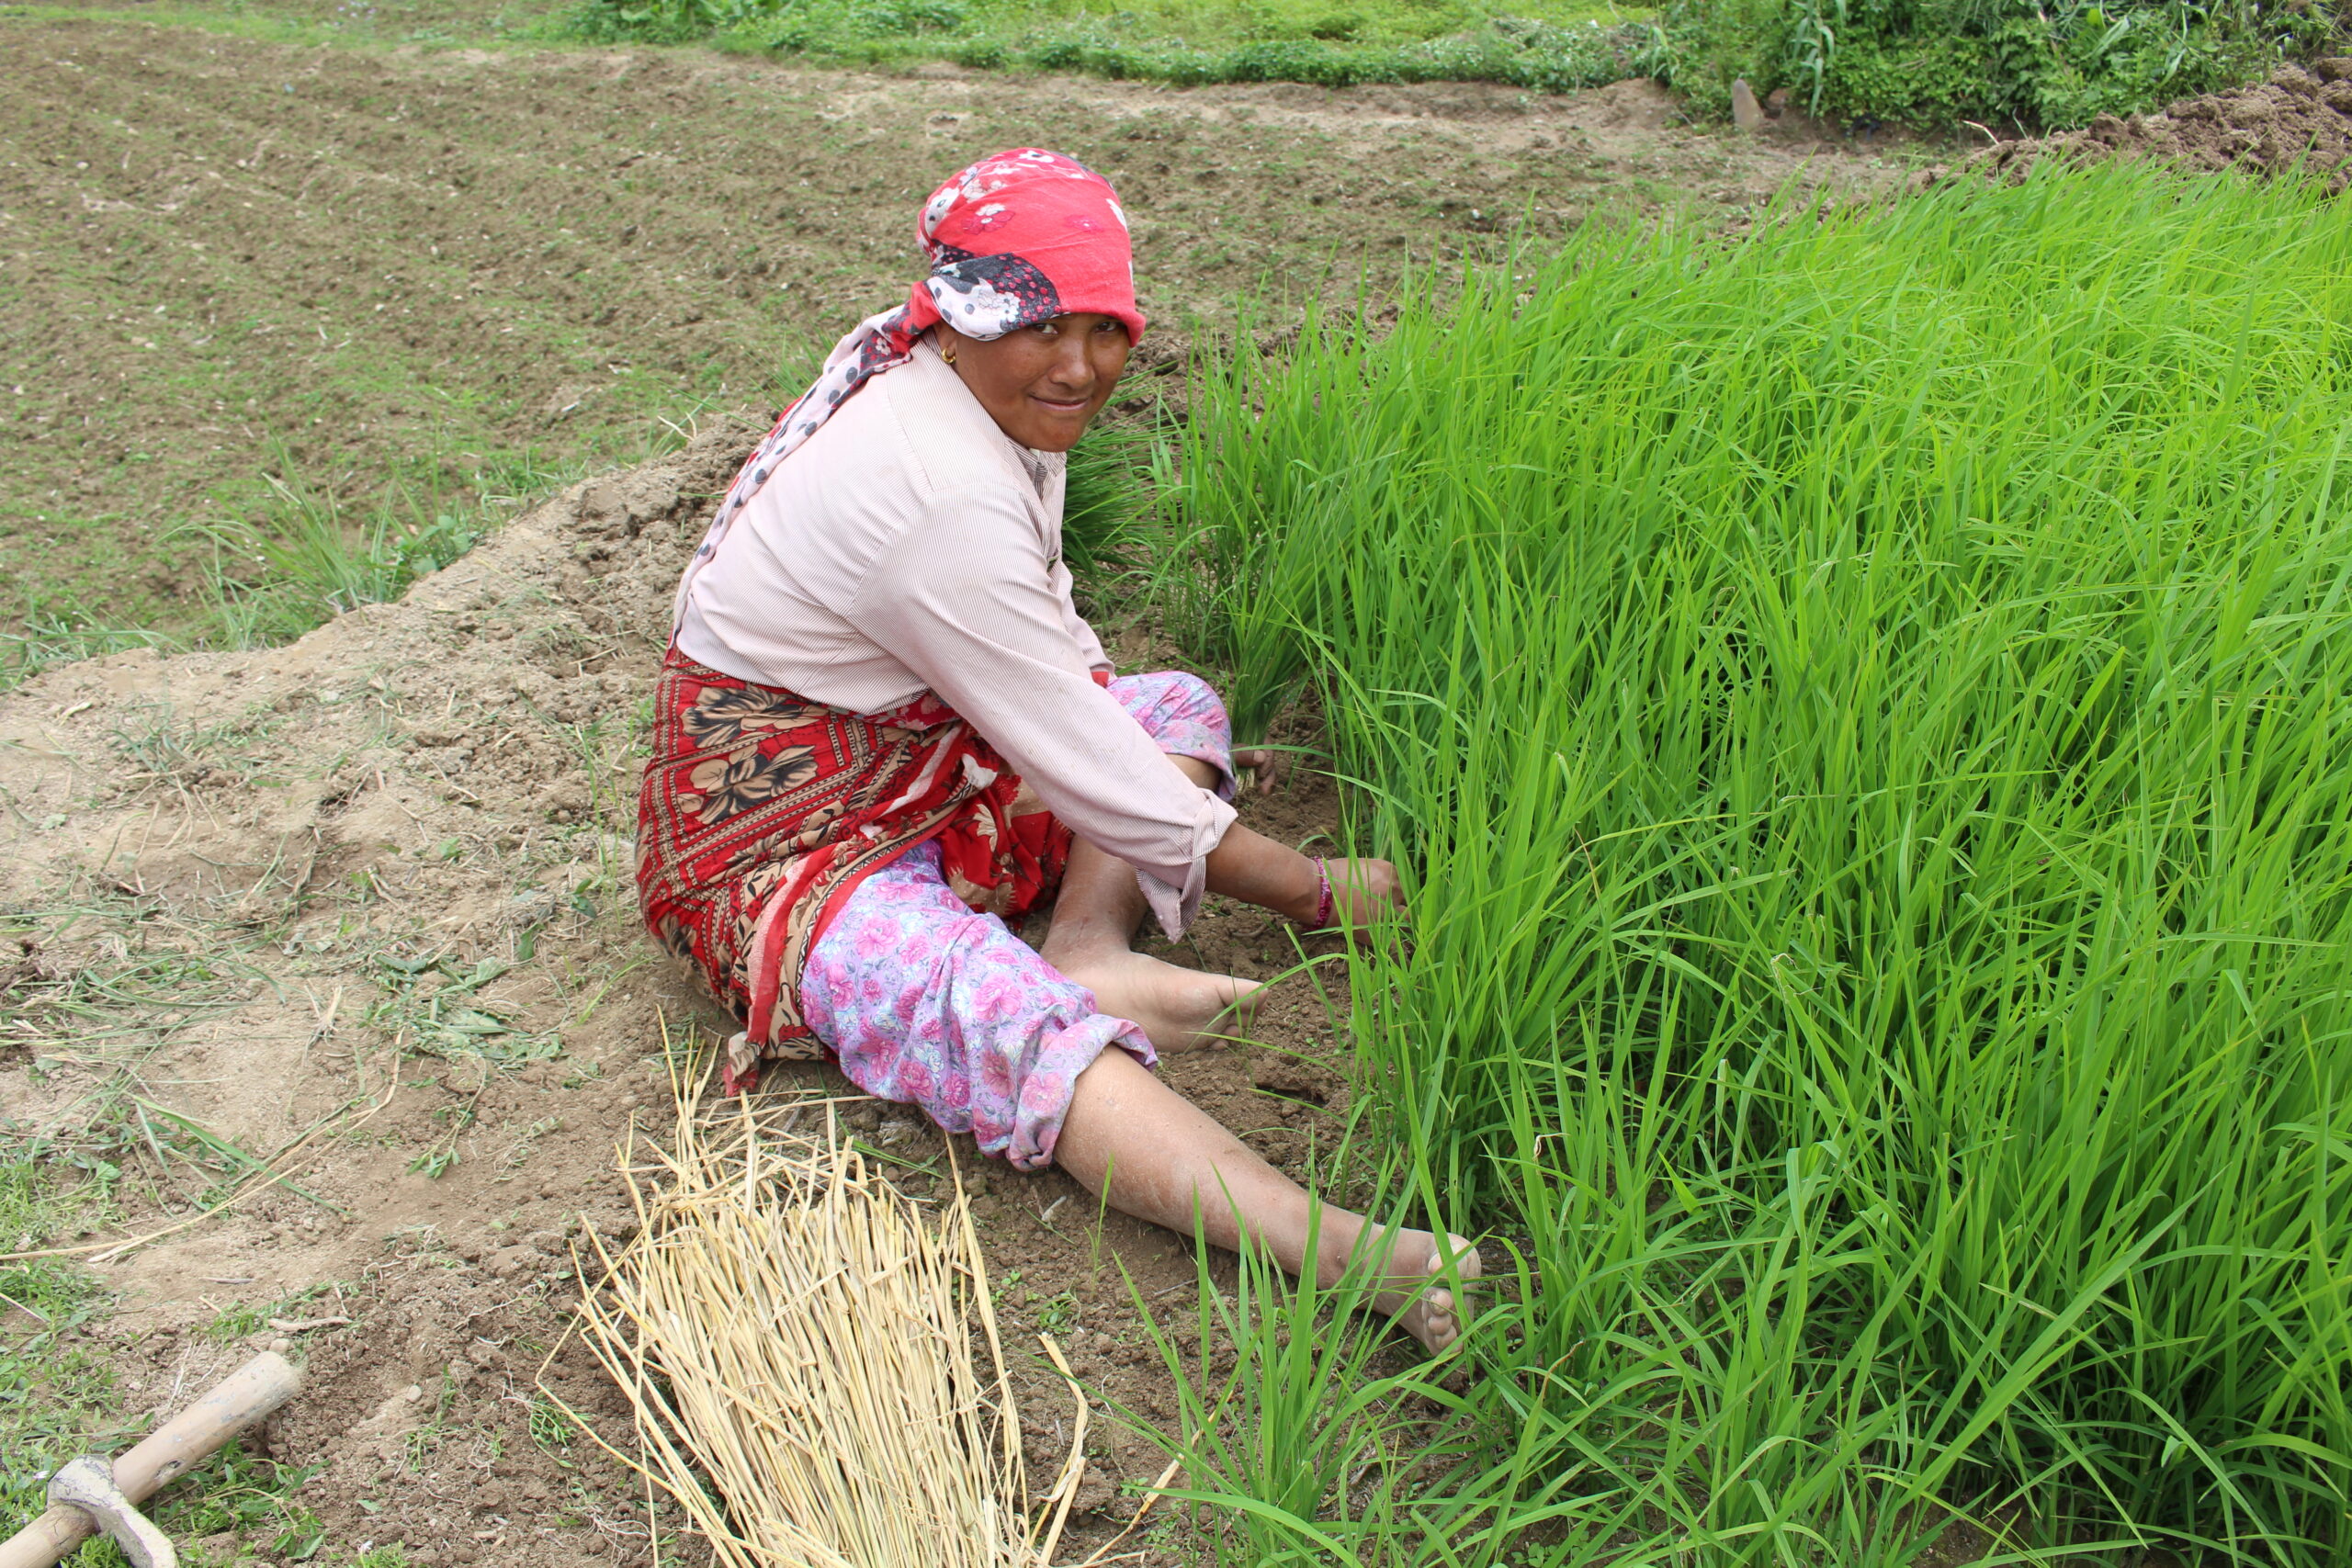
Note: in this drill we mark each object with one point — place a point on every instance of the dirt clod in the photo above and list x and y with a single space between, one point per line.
2297 123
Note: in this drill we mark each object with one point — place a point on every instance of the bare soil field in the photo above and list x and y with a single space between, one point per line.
373 269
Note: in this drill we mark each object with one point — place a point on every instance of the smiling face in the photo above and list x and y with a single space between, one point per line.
1042 383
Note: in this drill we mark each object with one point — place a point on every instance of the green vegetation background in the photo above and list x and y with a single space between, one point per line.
2027 63
2019 63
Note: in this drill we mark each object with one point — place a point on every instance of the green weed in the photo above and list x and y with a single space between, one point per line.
233 1323
434 1002
234 1493
1863 710
549 1428
392 1556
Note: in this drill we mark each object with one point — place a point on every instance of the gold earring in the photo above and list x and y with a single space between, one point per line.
948 354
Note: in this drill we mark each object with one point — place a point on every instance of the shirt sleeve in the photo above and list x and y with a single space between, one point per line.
1090 646
963 596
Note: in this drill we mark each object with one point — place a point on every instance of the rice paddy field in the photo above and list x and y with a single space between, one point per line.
1864 709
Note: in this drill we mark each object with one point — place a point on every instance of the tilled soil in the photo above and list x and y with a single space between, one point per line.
375 887
441 272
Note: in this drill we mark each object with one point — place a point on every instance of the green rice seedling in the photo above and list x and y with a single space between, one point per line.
1283 1423
1864 709
1105 518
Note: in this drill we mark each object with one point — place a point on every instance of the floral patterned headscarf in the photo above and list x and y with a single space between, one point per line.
1018 238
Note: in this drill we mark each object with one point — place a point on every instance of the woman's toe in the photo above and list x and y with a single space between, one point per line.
1240 999
1440 1328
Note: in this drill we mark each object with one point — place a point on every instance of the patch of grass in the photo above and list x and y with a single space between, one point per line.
56 1392
101 988
1937 62
283 555
1551 46
1295 1438
236 1323
65 632
238 1493
1865 711
275 574
392 1556
549 1428
434 1002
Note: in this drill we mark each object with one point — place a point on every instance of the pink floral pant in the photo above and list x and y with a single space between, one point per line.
927 1003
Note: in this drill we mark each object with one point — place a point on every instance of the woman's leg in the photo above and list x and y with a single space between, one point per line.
1150 1152
1101 904
1095 917
1146 1149
925 1002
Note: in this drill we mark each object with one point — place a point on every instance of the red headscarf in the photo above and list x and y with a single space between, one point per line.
1018 238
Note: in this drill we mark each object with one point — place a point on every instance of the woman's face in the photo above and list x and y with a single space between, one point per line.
1042 384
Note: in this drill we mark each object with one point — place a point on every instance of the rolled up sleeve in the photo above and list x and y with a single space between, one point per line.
964 597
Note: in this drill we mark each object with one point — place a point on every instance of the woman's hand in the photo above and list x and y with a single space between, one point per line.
1265 766
1363 892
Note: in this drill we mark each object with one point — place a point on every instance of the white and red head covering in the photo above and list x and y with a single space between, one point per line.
1018 238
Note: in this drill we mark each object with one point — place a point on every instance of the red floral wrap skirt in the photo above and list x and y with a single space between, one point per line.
761 811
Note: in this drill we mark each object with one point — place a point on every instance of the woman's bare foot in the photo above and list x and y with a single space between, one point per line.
1178 1009
1425 1310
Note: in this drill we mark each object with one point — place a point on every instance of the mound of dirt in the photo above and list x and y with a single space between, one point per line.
366 902
2298 121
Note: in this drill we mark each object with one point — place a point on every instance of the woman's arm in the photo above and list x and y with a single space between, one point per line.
963 596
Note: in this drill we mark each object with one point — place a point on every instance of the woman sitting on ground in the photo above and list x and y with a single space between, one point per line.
882 730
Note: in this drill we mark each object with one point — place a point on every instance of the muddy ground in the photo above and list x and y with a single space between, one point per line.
418 275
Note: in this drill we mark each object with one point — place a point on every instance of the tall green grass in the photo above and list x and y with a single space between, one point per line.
1866 710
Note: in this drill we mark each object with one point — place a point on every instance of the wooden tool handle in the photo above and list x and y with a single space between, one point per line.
178 1446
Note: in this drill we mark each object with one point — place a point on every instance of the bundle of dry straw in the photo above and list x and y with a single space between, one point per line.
813 1355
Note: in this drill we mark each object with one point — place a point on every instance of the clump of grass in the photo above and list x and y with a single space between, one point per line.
1864 712
299 560
51 635
287 554
54 1392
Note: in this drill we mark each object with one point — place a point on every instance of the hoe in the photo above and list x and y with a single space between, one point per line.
89 1495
